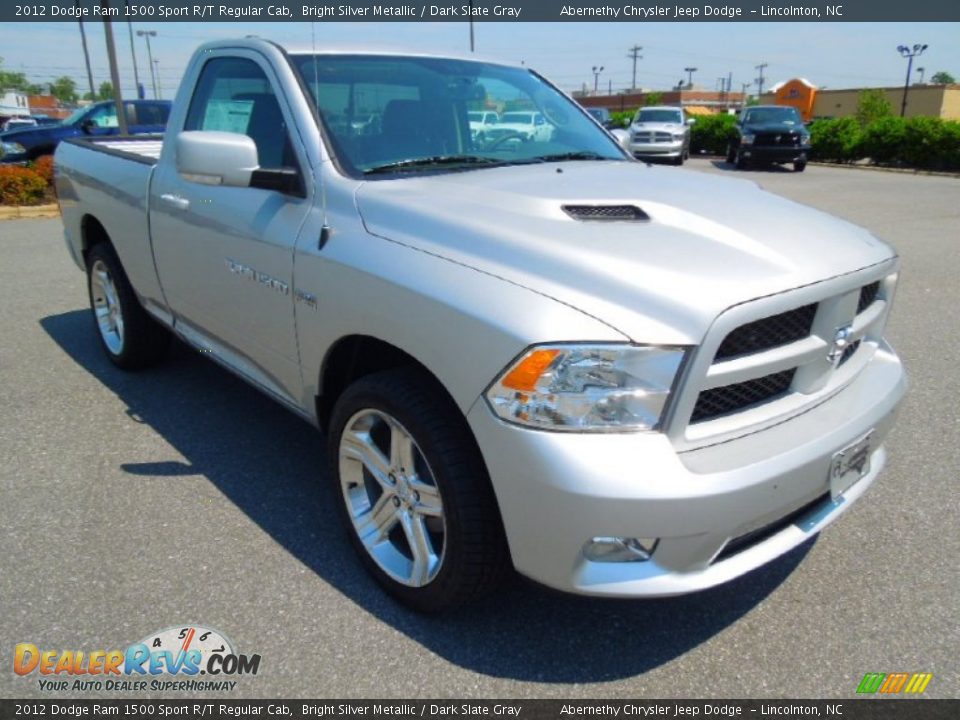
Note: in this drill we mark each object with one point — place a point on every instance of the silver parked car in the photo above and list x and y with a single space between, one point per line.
660 132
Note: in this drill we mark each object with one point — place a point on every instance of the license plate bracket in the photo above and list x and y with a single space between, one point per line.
850 464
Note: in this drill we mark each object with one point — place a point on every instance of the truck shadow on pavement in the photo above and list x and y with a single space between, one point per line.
528 633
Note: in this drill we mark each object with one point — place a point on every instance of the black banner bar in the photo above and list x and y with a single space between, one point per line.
846 709
623 11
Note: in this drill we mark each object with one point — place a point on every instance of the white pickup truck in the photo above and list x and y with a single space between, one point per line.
618 379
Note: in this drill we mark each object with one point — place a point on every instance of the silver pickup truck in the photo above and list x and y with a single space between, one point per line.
535 353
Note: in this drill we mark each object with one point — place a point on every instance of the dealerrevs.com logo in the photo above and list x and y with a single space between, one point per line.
169 660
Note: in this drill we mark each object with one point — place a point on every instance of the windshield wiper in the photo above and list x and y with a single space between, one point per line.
435 161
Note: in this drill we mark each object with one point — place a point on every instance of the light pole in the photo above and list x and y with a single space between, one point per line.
690 71
910 54
921 71
596 77
149 34
156 66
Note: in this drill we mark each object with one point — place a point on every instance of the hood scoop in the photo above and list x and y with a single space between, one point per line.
606 213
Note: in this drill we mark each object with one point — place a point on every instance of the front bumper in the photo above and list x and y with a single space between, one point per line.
558 490
776 153
661 149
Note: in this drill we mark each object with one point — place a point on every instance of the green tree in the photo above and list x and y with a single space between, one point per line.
106 91
942 78
64 89
653 98
16 81
871 106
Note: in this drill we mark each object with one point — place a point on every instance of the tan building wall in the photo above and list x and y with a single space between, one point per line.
941 101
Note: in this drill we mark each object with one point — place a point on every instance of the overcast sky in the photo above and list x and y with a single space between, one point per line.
835 55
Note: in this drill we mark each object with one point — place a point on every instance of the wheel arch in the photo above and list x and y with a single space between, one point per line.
355 356
92 232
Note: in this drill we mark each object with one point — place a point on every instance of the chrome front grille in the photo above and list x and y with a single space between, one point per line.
649 136
772 358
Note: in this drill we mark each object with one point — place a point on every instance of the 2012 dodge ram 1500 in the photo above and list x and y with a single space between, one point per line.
622 380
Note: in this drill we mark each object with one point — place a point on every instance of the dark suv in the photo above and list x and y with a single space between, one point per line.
29 143
770 134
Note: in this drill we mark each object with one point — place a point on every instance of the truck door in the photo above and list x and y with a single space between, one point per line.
225 254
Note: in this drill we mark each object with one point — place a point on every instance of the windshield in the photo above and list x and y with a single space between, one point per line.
77 114
421 110
786 115
659 116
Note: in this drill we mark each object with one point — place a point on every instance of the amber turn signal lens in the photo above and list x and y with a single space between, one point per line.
525 374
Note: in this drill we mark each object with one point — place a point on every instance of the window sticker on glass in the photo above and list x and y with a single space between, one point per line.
228 115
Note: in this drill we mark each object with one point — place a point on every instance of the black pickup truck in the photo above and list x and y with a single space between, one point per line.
769 134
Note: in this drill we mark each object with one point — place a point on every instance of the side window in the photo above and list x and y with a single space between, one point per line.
151 114
234 95
104 117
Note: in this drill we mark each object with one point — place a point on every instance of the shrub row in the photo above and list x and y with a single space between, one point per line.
26 185
918 142
20 186
711 134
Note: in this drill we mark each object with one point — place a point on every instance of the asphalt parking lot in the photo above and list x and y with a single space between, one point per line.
131 503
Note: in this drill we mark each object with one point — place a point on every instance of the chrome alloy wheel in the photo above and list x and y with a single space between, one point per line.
392 497
106 306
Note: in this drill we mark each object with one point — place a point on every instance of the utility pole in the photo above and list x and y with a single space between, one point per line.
133 53
760 67
86 53
114 70
149 34
471 25
156 65
635 55
743 92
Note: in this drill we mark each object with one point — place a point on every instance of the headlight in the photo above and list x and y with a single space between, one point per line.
678 136
13 148
747 139
587 388
804 139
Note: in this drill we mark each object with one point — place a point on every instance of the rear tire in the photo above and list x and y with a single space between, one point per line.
130 338
413 491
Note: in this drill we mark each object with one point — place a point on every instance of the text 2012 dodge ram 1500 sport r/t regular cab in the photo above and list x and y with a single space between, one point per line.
624 380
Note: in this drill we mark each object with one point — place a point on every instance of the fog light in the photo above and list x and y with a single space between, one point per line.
619 549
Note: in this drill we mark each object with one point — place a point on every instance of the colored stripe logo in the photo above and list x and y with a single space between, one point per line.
894 683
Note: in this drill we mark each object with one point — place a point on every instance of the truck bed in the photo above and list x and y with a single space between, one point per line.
140 148
107 180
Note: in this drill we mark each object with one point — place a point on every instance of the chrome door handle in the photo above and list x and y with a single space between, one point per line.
175 201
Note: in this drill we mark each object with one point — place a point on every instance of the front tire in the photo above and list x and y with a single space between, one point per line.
130 338
800 166
739 160
414 493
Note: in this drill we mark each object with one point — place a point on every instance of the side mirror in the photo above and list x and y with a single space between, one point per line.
216 158
691 121
622 137
87 125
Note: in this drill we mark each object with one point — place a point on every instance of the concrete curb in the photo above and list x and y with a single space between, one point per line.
29 211
881 168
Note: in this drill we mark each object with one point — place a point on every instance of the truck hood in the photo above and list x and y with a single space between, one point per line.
710 242
658 127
